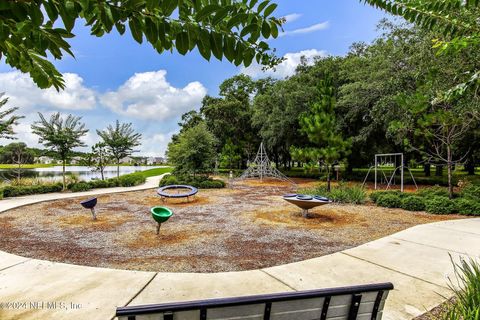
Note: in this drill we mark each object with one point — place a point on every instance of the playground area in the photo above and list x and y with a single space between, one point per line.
245 227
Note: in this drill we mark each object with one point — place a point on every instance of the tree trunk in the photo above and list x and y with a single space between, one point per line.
118 168
470 167
349 169
101 165
426 170
19 169
63 174
439 170
328 178
449 172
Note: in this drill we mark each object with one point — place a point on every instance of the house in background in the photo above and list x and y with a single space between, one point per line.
155 160
75 160
127 160
45 160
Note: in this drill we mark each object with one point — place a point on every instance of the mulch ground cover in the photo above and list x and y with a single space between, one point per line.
245 226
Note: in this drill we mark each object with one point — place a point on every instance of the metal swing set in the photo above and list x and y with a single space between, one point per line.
389 160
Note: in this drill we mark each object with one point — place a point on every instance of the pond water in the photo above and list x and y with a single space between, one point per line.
83 172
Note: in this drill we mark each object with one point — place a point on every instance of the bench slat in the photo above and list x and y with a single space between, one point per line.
251 311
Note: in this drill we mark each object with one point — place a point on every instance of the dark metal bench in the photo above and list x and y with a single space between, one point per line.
346 303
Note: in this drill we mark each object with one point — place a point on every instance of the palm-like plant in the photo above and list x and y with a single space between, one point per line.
120 139
7 119
60 135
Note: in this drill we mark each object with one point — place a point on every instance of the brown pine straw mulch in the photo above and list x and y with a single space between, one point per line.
243 227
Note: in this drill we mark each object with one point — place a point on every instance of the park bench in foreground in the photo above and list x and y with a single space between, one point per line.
357 302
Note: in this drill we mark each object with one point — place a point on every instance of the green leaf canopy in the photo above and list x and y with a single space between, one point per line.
35 30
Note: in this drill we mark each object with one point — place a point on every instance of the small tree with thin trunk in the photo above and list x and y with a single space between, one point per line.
100 157
443 125
17 153
60 135
327 145
120 140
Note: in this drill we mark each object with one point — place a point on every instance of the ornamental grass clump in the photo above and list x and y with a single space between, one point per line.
466 287
342 193
348 194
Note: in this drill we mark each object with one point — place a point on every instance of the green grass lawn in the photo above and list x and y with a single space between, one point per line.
359 174
155 172
26 166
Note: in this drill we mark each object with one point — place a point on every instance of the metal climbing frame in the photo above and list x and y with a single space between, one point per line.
262 167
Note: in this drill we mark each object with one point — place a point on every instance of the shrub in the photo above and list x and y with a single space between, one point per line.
439 205
376 194
320 189
471 192
389 200
130 180
210 184
113 182
341 194
80 186
99 183
127 180
467 206
201 182
413 203
15 191
348 194
168 180
434 191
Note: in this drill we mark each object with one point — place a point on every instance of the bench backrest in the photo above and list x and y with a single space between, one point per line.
349 303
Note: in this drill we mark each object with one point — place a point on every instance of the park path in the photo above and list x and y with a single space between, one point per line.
417 261
15 202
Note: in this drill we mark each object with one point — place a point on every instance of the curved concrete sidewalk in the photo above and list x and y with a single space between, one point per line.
10 203
416 261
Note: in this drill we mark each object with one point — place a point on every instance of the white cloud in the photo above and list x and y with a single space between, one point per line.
23 93
23 134
149 96
312 28
74 97
146 96
156 144
287 67
292 17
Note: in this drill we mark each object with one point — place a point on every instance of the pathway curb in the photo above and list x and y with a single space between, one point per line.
416 260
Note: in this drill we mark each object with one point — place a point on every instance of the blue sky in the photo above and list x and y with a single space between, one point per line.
114 77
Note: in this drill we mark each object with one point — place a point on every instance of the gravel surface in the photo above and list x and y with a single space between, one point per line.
246 226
